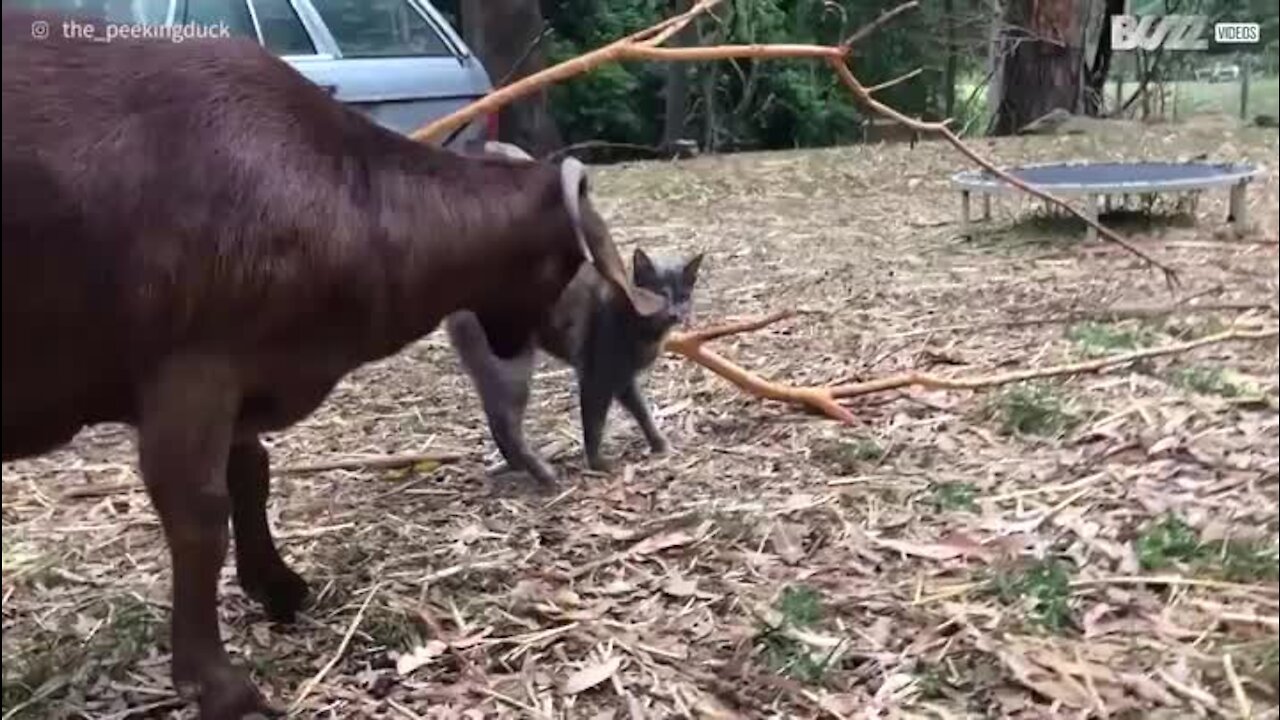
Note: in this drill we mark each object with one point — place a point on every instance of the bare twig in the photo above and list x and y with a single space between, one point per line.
895 81
876 24
1111 314
1237 688
605 144
524 56
374 462
337 655
691 345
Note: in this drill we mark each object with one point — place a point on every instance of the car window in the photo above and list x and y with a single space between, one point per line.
235 13
282 31
379 28
150 12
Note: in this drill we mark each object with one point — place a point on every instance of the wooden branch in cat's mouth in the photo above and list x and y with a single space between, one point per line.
825 399
692 345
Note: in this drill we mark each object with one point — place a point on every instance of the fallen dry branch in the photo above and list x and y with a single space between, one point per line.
1107 314
337 655
824 399
372 462
645 45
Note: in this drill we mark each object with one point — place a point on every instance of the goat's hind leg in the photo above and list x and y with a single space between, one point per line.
184 437
263 574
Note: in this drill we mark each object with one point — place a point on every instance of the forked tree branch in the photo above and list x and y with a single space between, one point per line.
644 45
825 398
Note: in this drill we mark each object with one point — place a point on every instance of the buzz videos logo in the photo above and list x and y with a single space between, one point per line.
1177 32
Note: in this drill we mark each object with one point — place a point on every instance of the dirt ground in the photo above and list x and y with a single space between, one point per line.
1094 546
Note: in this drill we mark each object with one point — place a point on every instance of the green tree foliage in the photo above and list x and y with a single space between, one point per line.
754 104
765 104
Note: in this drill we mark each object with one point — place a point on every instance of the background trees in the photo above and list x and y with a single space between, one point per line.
993 65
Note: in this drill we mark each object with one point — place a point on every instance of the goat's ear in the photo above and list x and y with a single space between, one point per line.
594 241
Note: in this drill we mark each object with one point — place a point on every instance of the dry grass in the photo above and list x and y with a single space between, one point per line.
1101 546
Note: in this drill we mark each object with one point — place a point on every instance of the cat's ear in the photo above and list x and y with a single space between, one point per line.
642 268
690 274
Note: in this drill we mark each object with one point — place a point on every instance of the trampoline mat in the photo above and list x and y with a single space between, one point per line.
1117 173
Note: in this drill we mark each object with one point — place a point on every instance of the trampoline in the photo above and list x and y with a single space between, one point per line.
1095 181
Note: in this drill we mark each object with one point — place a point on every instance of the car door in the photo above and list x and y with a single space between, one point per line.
398 61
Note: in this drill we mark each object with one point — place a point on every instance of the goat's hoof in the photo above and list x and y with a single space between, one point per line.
518 483
282 593
600 464
226 693
659 446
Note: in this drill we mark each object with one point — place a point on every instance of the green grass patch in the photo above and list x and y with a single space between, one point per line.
1245 561
1207 380
1031 409
1096 339
108 638
1170 541
1167 541
800 607
1268 665
1043 588
951 496
845 457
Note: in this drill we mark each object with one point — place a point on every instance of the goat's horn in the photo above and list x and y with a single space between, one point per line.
596 244
515 152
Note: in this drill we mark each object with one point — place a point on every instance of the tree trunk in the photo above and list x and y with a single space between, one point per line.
507 36
1100 67
677 105
708 73
995 63
1043 72
949 79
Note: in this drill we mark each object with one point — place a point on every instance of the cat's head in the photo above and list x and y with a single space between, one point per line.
671 278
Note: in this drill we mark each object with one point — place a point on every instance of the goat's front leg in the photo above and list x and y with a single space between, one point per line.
187 417
632 399
263 574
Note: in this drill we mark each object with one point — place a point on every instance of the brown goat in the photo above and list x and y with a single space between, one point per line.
201 243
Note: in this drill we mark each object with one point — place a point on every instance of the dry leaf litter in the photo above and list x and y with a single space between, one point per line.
928 564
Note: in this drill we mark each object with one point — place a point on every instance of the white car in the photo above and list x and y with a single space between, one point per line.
398 61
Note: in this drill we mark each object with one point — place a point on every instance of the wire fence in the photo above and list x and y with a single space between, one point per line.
1179 99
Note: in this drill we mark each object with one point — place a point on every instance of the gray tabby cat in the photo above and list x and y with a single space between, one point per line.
608 345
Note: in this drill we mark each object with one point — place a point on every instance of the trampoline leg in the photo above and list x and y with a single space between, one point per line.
986 206
1238 208
965 219
1091 211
